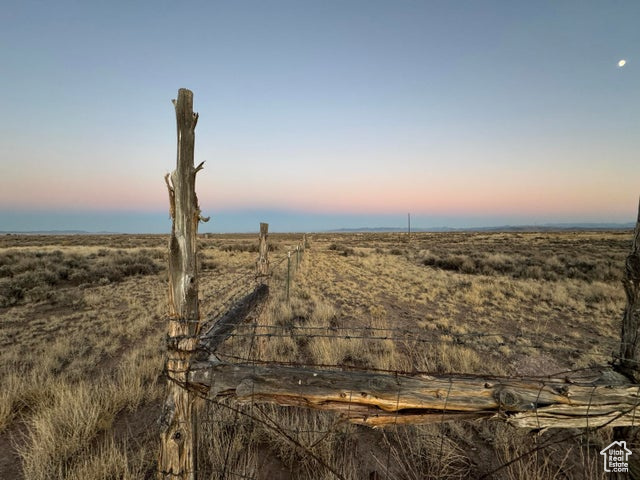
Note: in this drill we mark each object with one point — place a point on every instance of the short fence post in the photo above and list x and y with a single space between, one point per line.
263 250
297 257
288 272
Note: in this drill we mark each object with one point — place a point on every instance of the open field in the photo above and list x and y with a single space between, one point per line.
82 328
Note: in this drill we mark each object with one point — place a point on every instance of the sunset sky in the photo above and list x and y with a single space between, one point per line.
321 114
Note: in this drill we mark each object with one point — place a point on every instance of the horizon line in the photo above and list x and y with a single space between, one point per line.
528 227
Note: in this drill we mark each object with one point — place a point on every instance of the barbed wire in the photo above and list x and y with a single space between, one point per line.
396 332
221 290
575 352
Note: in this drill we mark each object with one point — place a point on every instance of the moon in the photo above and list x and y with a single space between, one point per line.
622 63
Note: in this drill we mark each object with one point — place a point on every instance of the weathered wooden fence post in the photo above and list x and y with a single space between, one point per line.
288 273
263 252
630 341
177 458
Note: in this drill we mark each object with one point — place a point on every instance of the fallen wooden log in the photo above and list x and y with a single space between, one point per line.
378 399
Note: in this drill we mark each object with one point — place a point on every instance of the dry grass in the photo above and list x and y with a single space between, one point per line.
551 463
83 322
421 453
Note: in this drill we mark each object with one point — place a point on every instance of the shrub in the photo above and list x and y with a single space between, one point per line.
32 275
10 293
456 263
342 250
240 247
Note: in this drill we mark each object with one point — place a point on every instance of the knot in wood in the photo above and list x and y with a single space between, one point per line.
506 398
561 389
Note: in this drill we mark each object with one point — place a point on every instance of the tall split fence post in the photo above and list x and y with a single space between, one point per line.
297 257
263 252
177 459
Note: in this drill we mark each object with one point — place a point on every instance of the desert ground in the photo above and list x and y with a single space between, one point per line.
83 326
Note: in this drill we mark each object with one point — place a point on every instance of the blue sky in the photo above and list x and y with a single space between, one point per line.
319 115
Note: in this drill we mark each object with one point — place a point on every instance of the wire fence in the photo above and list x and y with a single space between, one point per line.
254 440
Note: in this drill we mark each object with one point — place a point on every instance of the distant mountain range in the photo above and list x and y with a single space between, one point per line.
55 232
501 228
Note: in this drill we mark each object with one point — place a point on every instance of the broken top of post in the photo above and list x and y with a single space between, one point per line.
185 212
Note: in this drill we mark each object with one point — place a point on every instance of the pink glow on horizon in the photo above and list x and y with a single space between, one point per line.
462 197
481 200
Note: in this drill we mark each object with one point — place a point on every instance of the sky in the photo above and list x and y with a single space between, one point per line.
317 115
